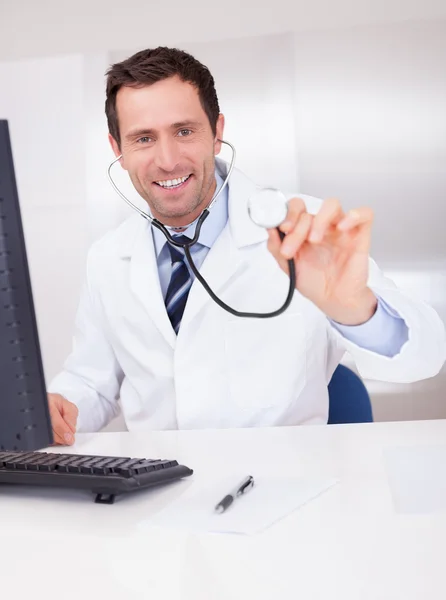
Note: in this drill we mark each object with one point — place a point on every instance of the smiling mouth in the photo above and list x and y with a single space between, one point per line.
173 184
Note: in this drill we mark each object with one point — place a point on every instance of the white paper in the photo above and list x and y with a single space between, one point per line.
417 478
268 501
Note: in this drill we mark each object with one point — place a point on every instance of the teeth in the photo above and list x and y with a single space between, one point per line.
172 182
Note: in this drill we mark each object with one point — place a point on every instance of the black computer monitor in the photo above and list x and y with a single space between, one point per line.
24 415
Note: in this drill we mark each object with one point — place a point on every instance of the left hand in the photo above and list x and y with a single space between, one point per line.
331 254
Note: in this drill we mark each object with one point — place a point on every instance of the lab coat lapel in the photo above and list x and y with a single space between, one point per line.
225 259
145 284
220 265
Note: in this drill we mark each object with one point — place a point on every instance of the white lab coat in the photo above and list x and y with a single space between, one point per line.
221 371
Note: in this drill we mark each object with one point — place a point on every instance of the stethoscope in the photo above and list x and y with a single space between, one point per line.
267 208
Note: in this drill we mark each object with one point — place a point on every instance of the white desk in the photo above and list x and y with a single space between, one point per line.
347 543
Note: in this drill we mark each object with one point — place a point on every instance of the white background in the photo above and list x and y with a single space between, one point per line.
343 99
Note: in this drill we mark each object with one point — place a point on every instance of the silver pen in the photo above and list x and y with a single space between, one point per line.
241 489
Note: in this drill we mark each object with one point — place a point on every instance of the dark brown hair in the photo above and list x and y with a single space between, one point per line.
149 66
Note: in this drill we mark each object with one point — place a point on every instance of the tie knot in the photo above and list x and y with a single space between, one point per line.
177 254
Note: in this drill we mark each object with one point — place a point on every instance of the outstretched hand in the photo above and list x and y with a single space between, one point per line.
331 254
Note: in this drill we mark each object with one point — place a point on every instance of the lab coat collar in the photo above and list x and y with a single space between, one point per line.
244 232
226 258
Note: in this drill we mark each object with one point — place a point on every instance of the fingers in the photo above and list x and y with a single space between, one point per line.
283 251
329 214
62 433
332 215
294 240
70 413
63 419
358 223
296 226
301 226
296 207
356 217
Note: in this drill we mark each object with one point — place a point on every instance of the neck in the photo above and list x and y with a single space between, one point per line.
181 223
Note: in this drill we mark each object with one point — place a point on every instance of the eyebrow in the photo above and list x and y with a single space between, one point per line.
147 132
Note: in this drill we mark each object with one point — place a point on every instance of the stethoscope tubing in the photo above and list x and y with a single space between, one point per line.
187 246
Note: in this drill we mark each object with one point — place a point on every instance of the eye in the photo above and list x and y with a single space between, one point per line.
184 132
144 140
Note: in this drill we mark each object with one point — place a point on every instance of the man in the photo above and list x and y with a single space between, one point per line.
177 364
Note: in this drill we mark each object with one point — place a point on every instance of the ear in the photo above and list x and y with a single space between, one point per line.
116 149
219 133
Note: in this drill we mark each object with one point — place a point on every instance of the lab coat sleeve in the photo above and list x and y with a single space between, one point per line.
420 357
91 377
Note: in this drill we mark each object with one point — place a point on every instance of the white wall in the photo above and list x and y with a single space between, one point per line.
371 122
371 130
103 208
47 27
43 102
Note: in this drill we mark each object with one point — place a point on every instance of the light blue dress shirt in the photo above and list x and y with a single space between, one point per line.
385 333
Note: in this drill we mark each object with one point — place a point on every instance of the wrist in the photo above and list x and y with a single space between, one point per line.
357 311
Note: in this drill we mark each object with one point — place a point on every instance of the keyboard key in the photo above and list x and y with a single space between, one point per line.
102 468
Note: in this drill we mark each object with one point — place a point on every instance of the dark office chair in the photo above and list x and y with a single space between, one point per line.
349 398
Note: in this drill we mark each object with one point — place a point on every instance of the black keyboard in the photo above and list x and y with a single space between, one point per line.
105 476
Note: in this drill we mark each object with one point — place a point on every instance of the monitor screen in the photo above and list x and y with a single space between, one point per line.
24 415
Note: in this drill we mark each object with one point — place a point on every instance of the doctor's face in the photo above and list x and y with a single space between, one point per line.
168 148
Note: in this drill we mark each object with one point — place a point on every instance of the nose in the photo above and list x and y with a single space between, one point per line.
167 155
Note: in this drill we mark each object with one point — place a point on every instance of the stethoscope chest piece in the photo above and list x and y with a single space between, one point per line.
267 207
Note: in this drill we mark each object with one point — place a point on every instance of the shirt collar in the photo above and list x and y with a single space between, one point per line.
212 226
